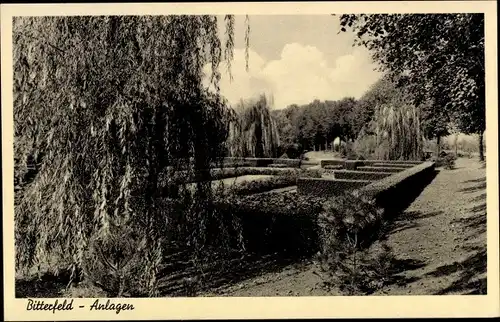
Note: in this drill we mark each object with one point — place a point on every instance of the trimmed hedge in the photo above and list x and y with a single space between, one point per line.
223 173
292 163
380 169
353 164
393 192
278 222
253 162
324 163
257 186
262 162
327 187
333 167
392 165
360 175
402 162
277 165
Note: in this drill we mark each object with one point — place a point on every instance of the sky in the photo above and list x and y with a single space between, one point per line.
296 59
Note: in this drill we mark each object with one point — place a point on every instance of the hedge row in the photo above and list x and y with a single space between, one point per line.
391 165
181 176
257 186
360 175
327 187
393 192
353 164
380 169
262 162
283 222
288 221
332 163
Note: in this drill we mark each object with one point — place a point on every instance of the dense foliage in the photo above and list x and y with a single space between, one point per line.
253 130
383 118
316 125
438 58
108 103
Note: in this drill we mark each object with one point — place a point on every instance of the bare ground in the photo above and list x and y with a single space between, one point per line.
439 242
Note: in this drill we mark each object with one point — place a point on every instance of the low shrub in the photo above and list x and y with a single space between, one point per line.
365 145
347 151
343 225
448 161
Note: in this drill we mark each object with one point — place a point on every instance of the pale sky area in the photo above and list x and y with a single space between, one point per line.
297 59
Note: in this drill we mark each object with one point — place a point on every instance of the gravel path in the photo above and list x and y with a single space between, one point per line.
441 237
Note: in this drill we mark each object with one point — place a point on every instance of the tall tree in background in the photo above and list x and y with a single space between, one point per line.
112 102
256 133
439 58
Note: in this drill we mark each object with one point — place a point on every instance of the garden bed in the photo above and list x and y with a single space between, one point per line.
327 187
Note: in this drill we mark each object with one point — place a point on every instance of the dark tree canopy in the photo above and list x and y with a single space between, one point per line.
438 58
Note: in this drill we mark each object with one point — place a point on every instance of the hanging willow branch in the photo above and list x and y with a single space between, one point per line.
254 131
110 104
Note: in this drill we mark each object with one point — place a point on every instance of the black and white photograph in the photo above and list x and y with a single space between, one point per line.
250 155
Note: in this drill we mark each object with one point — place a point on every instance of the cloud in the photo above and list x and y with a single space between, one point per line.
300 75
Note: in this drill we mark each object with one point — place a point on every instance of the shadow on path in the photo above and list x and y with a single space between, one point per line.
479 184
190 282
406 220
468 281
470 271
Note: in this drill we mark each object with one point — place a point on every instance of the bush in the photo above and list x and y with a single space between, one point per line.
346 151
342 229
448 161
291 150
365 146
286 203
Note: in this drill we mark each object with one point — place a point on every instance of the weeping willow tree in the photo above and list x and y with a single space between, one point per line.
113 104
253 129
398 131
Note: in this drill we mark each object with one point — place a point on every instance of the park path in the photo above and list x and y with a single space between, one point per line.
440 239
439 242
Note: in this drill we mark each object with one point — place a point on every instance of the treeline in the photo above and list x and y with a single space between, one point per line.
382 115
316 125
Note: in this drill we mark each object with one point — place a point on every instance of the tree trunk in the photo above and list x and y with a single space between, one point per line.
438 143
456 145
481 147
